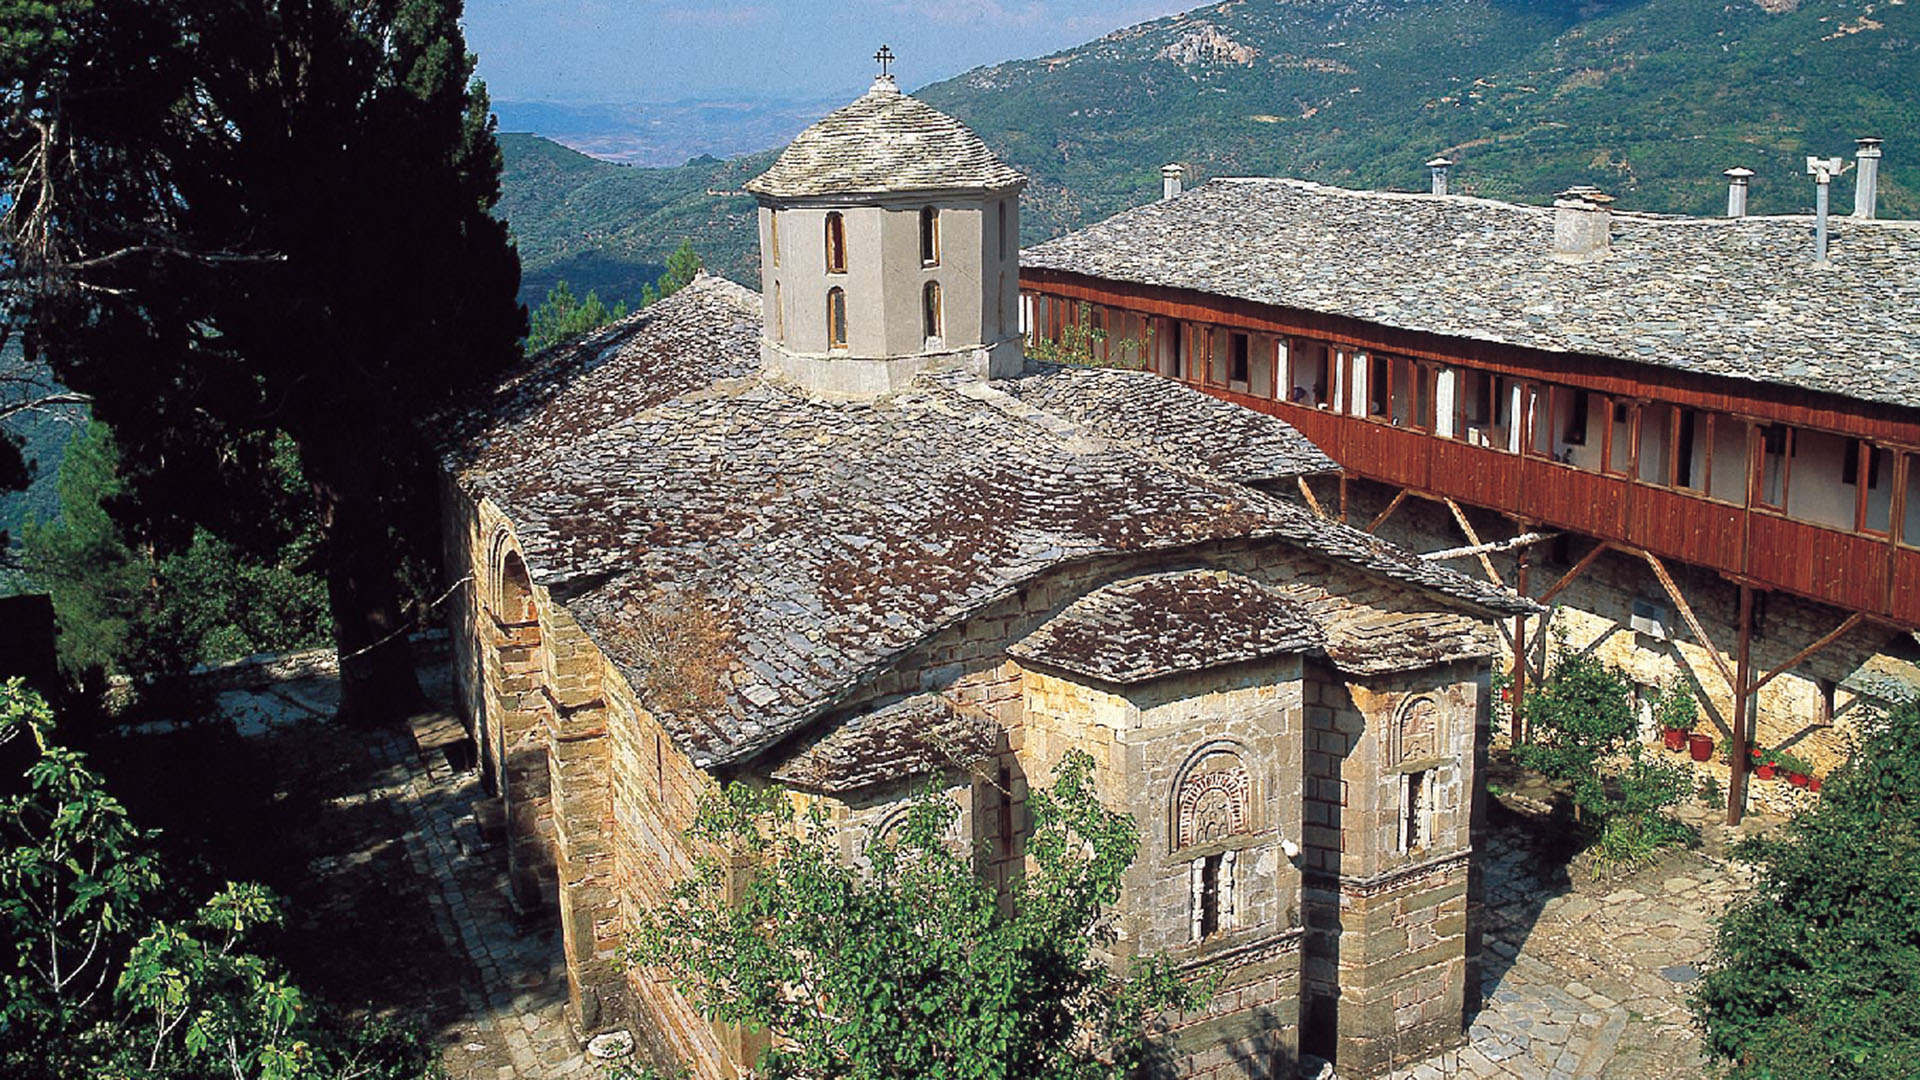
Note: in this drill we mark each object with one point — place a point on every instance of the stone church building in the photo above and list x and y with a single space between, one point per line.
843 536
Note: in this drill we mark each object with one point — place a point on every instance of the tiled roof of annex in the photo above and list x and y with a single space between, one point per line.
652 463
911 737
1741 298
884 142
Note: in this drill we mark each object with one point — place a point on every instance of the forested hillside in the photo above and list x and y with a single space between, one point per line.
1648 99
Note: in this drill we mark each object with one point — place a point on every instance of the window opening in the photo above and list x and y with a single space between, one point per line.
773 236
1000 307
1775 443
1620 459
1656 435
1240 370
1576 434
1210 342
836 318
1540 420
930 309
1685 474
1210 896
1413 824
779 314
1210 883
1379 385
929 237
1877 509
836 244
1003 231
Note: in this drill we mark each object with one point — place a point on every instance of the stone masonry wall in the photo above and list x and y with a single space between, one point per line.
1874 663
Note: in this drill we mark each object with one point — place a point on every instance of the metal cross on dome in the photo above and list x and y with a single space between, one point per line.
884 57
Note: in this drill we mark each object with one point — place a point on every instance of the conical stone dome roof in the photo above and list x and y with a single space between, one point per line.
885 141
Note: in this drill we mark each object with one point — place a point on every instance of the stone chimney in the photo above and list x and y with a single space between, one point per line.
1170 175
1581 222
1440 165
1866 189
1738 180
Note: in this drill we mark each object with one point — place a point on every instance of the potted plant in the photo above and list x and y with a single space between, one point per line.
1677 715
1799 771
1768 762
1813 784
1700 747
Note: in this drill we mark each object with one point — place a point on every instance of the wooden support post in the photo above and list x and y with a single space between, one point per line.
1486 563
1737 786
1579 568
1519 650
1846 624
1343 497
1693 624
1398 498
1306 490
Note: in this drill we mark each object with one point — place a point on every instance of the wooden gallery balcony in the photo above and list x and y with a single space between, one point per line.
1813 494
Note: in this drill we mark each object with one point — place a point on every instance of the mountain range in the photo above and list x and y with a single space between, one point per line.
1650 100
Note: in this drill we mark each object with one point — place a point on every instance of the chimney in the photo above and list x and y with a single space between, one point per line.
1580 224
1823 170
1170 180
1440 165
1866 190
1738 180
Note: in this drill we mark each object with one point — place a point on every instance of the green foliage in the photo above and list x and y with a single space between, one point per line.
1711 794
1083 344
1813 972
682 265
915 968
1578 716
563 318
1635 823
95 982
1675 709
123 608
271 218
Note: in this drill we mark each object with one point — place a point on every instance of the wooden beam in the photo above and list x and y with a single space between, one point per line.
1737 756
1523 540
1846 624
1307 490
1579 568
1398 498
1460 518
1686 612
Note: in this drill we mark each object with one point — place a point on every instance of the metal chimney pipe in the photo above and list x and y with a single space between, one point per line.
1866 190
1738 180
1823 170
1440 165
1170 180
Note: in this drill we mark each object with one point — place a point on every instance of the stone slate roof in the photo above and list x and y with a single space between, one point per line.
1740 298
1363 642
918 735
885 141
653 469
1161 624
1132 409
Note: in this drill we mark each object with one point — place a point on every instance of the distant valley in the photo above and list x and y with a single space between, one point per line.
668 133
1647 99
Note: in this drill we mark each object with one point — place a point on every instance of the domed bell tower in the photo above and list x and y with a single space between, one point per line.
889 245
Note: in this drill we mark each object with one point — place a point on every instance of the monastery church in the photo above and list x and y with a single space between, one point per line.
843 536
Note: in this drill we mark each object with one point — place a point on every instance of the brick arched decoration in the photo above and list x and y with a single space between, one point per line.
1214 798
1419 730
515 709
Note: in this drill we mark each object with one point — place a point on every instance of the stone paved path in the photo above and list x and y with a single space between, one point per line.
1588 978
403 897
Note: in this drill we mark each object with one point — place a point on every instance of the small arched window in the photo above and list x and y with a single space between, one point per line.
836 244
773 235
929 237
930 309
836 318
779 314
1003 231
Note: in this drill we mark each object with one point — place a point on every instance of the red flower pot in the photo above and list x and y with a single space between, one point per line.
1813 783
1765 772
1700 747
1676 739
1799 779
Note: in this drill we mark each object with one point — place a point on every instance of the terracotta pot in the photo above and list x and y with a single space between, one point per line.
1675 738
1798 779
1700 747
1765 772
1813 783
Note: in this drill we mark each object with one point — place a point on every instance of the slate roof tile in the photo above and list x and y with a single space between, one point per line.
1740 298
911 737
654 467
885 141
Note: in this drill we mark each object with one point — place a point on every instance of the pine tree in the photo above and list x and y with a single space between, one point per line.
272 216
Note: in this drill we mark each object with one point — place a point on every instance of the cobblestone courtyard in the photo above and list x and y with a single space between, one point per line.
403 901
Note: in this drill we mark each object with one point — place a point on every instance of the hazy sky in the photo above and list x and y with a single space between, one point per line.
645 50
